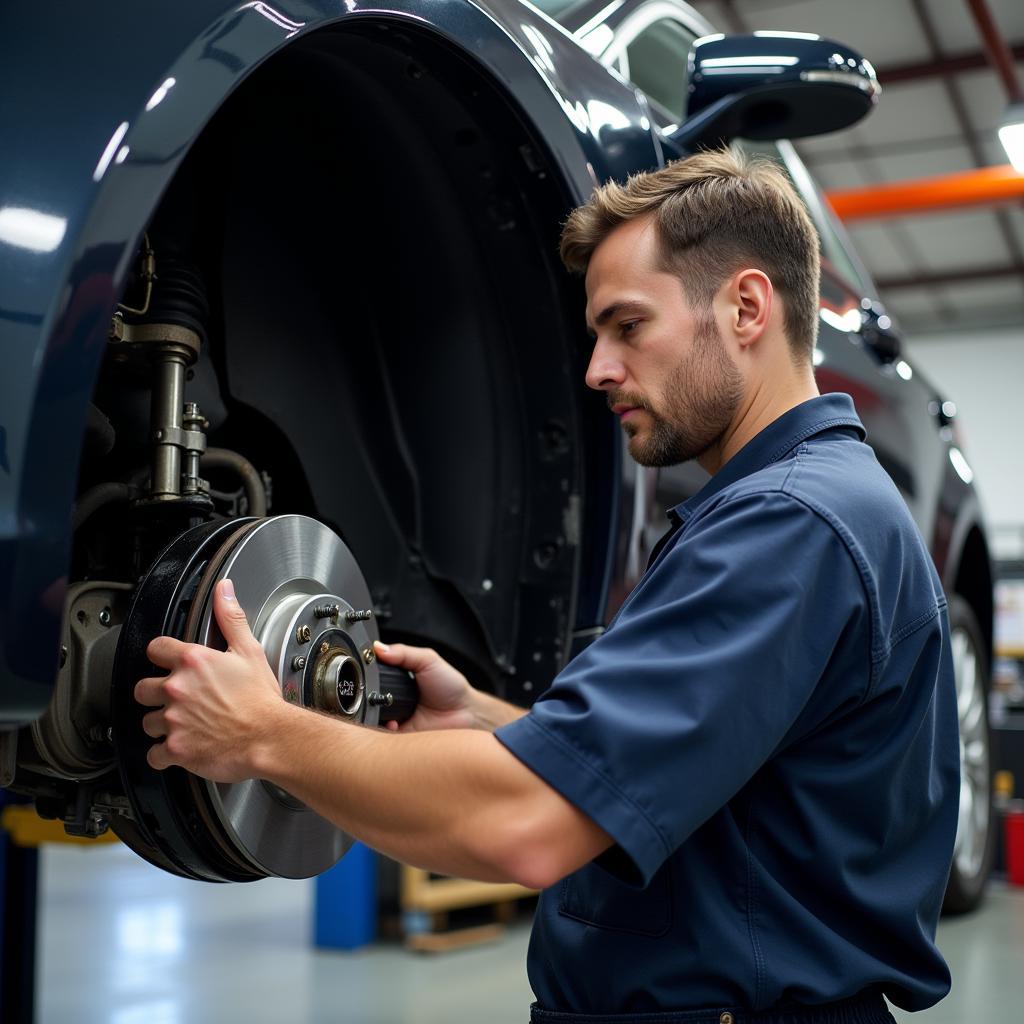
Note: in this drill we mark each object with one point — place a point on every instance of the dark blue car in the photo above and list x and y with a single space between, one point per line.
280 297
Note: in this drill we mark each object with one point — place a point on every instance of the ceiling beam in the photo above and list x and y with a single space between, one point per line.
939 67
996 50
959 105
964 276
987 186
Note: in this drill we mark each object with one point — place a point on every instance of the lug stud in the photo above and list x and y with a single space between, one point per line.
302 634
360 616
368 655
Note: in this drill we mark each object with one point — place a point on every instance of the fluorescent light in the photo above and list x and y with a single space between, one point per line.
1011 135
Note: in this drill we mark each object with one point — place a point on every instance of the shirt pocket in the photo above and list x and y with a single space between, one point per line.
596 897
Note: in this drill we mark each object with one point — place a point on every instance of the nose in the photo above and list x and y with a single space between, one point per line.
604 372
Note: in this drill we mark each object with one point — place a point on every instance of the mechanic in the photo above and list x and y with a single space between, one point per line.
741 800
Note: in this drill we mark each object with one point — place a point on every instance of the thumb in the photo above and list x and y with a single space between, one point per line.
232 621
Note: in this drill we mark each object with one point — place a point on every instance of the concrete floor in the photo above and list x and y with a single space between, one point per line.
123 943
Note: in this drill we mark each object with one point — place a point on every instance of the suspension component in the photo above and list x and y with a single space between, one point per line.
194 443
168 330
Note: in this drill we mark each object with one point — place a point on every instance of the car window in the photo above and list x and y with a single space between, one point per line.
656 62
553 8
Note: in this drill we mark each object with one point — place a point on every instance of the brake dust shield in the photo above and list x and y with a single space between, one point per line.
308 604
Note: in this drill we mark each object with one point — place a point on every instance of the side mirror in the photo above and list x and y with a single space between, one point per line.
773 85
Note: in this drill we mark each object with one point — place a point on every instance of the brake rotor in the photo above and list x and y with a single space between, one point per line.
308 605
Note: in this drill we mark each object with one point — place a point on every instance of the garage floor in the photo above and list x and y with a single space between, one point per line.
123 943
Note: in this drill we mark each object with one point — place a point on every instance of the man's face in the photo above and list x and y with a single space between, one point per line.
662 365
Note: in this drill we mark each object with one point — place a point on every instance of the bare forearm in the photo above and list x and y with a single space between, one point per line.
442 800
492 712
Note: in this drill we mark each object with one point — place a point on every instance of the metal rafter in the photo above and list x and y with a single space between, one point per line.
996 50
966 275
951 64
960 112
985 186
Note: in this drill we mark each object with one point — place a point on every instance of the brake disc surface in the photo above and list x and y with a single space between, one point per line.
308 604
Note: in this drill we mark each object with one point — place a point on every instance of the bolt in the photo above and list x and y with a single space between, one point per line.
376 699
368 655
326 611
104 617
358 616
302 634
298 663
325 647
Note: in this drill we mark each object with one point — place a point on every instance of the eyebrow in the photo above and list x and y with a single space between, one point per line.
623 306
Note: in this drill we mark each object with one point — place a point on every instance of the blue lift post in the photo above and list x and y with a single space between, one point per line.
19 880
345 908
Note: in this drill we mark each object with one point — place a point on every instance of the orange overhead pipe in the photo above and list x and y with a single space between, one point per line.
984 187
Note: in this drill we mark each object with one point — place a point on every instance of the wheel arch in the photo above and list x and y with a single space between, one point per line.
974 581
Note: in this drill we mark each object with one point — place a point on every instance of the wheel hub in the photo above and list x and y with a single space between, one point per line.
308 605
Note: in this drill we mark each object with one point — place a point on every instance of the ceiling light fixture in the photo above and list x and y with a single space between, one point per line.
1011 135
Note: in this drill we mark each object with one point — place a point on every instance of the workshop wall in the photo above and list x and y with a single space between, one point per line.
983 373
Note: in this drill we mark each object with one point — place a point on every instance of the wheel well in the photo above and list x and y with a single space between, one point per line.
975 584
392 337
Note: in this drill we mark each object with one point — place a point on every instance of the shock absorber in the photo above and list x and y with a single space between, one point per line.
168 330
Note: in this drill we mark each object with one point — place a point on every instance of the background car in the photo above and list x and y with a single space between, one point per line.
304 262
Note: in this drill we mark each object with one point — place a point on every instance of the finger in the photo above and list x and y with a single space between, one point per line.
158 757
165 651
150 691
230 617
416 659
154 725
391 725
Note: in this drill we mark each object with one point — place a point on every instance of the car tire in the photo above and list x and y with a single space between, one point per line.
975 837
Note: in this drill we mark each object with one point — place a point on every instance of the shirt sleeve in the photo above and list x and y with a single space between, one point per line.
709 667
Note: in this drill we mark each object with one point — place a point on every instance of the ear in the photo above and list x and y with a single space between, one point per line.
750 296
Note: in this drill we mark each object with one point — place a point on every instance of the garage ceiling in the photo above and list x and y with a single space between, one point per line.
941 107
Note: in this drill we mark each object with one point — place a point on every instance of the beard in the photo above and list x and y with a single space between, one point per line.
700 398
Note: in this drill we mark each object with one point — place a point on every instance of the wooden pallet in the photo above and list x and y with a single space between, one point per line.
427 904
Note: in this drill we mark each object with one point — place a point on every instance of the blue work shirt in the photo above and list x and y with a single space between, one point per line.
768 732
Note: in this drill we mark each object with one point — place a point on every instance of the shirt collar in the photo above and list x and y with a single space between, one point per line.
776 440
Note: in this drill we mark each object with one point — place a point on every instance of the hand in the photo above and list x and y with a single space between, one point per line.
447 701
215 707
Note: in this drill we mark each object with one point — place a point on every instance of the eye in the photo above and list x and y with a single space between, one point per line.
627 326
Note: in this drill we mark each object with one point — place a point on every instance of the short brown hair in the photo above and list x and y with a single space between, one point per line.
715 212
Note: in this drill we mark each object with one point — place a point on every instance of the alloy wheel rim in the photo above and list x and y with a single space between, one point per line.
973 822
